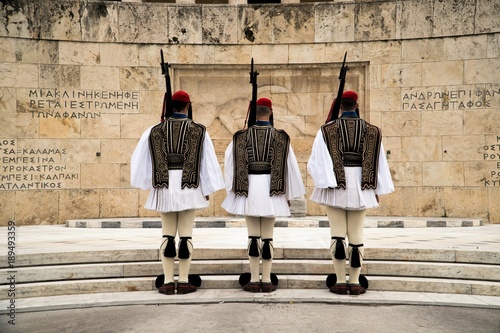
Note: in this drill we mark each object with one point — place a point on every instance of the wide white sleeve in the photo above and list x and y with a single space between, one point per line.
294 184
384 179
141 169
228 167
320 165
210 174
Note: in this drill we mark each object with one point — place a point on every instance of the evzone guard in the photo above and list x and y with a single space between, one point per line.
262 176
350 171
176 161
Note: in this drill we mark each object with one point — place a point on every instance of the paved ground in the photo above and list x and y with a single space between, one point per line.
58 238
272 318
234 310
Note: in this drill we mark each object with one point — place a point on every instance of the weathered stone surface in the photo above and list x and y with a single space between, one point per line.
16 74
43 207
219 25
16 19
415 19
255 25
100 78
406 173
477 173
460 148
117 150
60 21
453 17
396 75
134 29
60 76
79 203
185 25
114 54
270 54
99 22
481 122
118 202
423 201
402 124
446 73
139 78
106 126
455 198
7 207
340 29
293 24
375 21
443 123
424 71
421 148
493 200
443 174
481 71
59 128
43 52
100 176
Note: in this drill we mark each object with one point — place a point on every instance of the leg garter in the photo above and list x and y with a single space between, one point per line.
170 247
339 247
355 255
183 248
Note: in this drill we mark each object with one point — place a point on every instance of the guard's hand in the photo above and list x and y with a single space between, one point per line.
376 196
207 197
289 203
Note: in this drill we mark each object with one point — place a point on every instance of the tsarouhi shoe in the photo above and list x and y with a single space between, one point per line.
185 288
356 289
253 287
339 288
267 287
167 289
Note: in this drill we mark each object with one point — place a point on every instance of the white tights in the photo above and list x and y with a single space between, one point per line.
348 223
171 223
262 227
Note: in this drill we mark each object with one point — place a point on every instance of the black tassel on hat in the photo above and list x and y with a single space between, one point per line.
355 255
170 248
253 249
183 248
339 248
266 249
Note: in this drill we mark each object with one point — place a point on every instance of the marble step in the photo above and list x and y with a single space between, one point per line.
377 283
141 255
280 266
281 222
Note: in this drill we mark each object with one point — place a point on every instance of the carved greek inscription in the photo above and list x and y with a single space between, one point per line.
492 153
464 98
34 168
80 104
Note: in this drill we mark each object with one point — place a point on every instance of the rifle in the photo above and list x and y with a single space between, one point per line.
252 107
167 109
335 108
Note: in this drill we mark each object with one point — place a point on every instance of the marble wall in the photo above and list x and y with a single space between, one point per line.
80 81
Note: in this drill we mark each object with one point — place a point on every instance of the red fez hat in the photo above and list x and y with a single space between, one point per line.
266 102
349 94
181 96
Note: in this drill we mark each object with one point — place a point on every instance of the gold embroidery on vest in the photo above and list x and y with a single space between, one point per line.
176 141
259 146
348 138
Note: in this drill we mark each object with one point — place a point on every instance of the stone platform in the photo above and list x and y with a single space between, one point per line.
59 267
294 222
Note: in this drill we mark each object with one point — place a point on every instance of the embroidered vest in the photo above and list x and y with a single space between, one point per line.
176 144
353 142
260 150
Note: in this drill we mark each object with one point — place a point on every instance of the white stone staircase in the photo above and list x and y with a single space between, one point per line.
387 269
